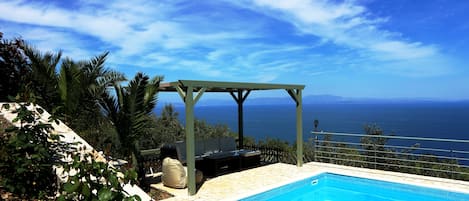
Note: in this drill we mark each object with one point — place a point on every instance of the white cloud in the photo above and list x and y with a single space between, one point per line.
159 58
421 67
350 25
137 30
265 77
317 73
402 50
199 67
47 40
132 26
105 27
266 51
308 12
169 36
216 54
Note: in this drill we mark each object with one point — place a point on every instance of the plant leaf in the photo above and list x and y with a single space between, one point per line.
70 188
105 194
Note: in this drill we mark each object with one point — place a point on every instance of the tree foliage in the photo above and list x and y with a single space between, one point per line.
164 129
81 85
14 67
67 88
72 90
30 154
27 154
129 111
204 130
167 128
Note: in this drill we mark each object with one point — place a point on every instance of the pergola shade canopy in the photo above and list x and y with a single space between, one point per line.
239 91
214 86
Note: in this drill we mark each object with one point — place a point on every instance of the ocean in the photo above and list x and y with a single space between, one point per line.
426 119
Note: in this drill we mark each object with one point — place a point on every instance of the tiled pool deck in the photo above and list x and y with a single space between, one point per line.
242 184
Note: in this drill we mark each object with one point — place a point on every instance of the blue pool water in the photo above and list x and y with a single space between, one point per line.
333 187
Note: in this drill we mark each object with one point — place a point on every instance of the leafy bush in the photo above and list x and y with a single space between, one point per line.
27 155
95 180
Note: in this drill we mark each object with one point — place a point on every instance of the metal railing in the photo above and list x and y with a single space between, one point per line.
447 158
271 155
151 160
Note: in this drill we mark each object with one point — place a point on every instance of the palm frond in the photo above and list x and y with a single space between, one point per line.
43 78
150 98
110 107
69 86
98 61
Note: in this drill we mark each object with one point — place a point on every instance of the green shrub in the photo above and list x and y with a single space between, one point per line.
27 156
95 180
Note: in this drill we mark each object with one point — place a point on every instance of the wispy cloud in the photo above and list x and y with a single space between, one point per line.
46 39
130 28
103 26
251 40
347 24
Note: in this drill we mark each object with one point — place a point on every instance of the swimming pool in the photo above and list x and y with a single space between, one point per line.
334 187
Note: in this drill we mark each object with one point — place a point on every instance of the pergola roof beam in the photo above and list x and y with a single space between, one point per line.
294 94
214 86
181 93
199 94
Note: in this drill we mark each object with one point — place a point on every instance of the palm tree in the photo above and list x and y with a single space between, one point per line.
14 67
76 88
74 92
41 82
129 109
69 87
81 85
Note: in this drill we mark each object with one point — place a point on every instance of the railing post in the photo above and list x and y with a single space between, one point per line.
314 146
374 148
277 154
452 166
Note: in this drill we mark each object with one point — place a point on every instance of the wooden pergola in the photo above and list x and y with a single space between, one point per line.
239 91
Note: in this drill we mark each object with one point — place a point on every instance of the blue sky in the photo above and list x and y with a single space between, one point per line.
363 48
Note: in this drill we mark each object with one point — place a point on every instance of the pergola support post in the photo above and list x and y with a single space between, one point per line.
297 97
240 98
190 101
